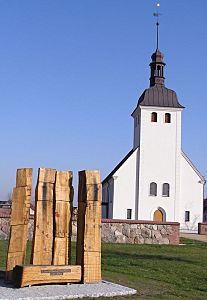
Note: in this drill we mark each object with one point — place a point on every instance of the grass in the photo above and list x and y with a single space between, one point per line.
155 271
158 271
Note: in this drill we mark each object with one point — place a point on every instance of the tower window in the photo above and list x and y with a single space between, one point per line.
162 71
158 71
187 216
165 190
129 214
153 189
167 118
154 117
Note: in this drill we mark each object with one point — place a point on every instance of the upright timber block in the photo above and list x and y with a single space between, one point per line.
19 220
88 248
43 220
63 218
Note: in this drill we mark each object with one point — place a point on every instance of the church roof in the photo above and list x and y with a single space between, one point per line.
159 95
118 166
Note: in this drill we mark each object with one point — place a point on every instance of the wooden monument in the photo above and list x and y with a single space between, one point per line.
19 220
63 206
43 218
88 251
51 248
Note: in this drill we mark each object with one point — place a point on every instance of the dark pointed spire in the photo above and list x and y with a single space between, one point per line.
157 65
157 15
157 24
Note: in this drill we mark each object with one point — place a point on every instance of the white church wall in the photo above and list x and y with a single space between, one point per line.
159 146
191 196
124 188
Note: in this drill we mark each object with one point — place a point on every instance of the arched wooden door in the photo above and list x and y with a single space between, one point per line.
158 215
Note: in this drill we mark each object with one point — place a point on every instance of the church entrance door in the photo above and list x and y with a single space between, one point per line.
158 215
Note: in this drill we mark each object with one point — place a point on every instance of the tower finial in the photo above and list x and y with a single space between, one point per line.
157 14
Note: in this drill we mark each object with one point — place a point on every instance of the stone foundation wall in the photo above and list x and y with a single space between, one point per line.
5 228
202 228
140 232
119 231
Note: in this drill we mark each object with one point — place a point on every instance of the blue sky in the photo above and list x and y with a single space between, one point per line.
71 72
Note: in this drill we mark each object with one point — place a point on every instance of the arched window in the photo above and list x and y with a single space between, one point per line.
154 117
165 190
153 189
167 118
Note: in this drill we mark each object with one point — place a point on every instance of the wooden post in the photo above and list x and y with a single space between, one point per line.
43 219
19 220
63 218
88 250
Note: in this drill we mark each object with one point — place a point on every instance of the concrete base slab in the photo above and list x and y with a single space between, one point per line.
68 291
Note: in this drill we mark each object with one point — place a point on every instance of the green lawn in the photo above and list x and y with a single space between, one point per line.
156 271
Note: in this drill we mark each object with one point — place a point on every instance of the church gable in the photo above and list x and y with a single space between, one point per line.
189 162
118 167
119 189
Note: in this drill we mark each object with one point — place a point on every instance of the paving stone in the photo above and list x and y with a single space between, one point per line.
56 292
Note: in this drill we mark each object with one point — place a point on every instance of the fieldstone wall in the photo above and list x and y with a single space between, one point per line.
5 228
118 231
140 232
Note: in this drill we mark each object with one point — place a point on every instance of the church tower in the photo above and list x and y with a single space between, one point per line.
156 180
157 135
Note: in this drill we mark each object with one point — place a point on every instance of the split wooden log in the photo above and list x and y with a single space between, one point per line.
19 220
43 220
88 248
31 275
63 218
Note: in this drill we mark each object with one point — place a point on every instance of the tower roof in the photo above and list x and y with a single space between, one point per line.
159 95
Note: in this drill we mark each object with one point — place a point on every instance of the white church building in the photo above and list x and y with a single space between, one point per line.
156 180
